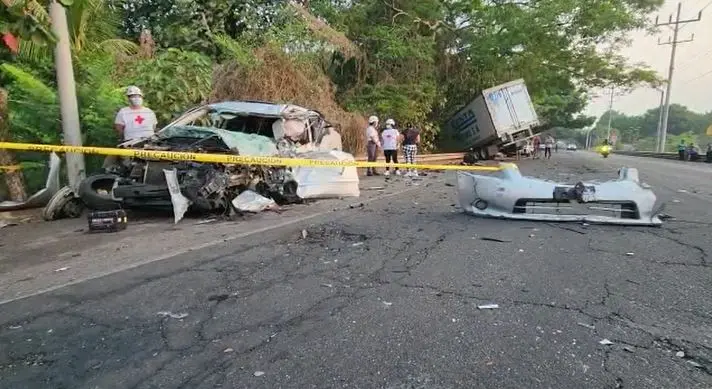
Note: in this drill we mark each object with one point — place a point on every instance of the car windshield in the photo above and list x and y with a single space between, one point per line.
206 117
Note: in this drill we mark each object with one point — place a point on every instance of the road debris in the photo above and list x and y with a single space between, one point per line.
61 269
4 223
258 373
228 350
488 306
681 191
249 201
172 315
630 254
304 234
628 349
510 195
14 327
680 354
357 244
498 240
386 303
328 285
606 342
589 326
694 364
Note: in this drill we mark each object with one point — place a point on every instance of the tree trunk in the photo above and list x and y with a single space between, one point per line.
13 178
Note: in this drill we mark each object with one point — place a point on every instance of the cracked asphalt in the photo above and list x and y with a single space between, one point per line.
386 296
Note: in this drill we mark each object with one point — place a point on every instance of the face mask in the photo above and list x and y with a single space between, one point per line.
136 101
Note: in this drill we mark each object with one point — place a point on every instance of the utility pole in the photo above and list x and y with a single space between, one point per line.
67 93
674 42
610 114
660 120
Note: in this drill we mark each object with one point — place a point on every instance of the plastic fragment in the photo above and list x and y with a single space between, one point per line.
488 306
228 350
630 254
680 354
172 315
258 373
694 364
249 201
61 269
357 244
386 303
589 326
606 342
304 234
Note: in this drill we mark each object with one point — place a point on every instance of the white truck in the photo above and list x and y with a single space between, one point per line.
498 118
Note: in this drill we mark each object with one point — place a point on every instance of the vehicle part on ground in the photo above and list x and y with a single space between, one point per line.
336 182
249 201
64 204
509 195
180 202
96 192
43 196
107 221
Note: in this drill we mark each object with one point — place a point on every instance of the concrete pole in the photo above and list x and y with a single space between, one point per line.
671 70
610 114
660 120
67 93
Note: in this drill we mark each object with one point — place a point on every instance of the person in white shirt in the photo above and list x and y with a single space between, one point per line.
373 143
135 121
391 138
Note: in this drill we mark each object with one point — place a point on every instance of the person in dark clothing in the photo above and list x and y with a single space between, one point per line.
411 139
708 155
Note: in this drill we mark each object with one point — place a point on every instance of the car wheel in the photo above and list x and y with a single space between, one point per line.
95 192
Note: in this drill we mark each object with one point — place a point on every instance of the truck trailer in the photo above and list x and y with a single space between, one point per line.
499 118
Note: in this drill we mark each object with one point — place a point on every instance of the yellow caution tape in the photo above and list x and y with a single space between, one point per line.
229 159
11 168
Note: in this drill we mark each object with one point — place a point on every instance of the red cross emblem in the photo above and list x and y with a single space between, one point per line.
139 119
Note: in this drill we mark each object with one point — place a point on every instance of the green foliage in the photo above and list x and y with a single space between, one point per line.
172 81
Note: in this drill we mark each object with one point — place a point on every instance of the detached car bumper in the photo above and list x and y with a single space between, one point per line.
509 195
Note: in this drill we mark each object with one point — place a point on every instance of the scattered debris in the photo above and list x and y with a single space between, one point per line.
4 223
228 350
675 200
606 342
694 364
488 306
61 269
206 221
680 354
249 201
521 250
15 327
357 205
386 303
585 224
357 244
681 191
218 297
498 240
327 285
589 326
665 216
630 254
628 349
304 234
376 188
258 373
172 315
449 184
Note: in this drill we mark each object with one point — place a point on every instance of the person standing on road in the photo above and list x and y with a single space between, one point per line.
536 141
373 143
135 121
411 140
681 148
391 138
547 147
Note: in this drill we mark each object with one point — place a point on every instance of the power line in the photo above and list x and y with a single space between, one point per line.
662 132
698 77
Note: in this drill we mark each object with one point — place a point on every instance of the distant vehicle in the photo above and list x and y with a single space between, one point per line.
500 117
571 147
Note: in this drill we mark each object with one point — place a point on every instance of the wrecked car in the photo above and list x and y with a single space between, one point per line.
233 127
509 195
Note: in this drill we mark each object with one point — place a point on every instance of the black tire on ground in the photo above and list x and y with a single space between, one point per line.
92 198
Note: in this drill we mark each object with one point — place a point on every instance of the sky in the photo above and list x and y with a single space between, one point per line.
692 78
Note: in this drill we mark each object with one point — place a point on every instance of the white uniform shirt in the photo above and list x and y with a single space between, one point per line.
138 123
372 135
390 139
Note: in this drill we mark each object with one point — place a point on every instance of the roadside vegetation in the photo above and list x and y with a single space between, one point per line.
413 60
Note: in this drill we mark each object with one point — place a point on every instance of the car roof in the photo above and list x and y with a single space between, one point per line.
258 108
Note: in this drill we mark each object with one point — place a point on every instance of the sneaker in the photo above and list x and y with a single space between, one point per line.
398 173
387 173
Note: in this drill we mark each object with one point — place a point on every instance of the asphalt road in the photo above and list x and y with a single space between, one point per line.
386 296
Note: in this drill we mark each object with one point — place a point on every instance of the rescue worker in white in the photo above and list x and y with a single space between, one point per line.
373 143
135 121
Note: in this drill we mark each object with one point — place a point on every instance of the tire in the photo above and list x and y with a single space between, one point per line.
88 192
